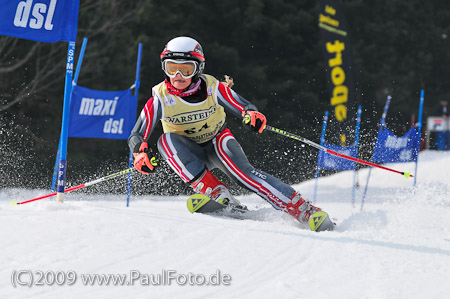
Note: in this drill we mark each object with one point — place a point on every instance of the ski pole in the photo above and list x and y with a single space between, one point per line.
406 174
105 178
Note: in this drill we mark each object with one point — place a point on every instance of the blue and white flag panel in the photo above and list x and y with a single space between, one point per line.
328 161
102 114
392 149
40 20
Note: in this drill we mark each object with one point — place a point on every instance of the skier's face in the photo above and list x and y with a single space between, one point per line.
179 82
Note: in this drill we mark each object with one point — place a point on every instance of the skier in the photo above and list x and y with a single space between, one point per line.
191 106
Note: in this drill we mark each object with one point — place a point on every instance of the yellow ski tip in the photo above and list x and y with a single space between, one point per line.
407 174
13 203
317 219
196 201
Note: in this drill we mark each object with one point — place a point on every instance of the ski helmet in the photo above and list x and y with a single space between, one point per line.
184 48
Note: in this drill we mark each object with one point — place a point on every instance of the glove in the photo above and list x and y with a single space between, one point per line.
255 120
143 161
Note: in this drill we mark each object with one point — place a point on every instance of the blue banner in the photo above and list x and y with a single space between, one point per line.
102 114
328 161
40 20
392 149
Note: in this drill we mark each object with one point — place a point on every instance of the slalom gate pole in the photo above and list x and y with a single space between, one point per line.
406 174
137 83
103 179
381 127
62 164
322 140
74 83
355 172
419 130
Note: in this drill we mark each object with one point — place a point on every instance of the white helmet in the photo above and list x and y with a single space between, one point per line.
184 48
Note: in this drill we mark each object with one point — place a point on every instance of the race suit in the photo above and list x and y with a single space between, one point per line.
196 137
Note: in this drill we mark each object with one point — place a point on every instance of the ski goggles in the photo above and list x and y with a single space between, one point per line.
186 68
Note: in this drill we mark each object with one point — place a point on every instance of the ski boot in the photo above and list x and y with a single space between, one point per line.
207 184
306 213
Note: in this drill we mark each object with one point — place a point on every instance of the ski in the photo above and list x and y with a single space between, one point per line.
320 221
199 203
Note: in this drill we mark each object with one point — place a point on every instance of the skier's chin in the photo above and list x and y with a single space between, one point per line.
180 84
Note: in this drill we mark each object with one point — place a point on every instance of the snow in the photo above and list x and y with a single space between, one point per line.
397 246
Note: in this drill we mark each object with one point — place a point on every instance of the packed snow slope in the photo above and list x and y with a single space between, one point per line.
397 246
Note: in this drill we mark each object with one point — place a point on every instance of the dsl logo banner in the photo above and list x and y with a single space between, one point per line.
40 20
102 114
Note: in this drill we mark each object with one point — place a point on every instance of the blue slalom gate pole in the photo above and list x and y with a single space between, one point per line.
382 125
136 92
358 124
419 131
65 124
79 63
74 83
322 141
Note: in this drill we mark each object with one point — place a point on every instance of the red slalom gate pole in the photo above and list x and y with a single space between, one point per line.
105 178
406 174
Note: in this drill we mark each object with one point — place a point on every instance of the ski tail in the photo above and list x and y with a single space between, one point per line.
199 203
196 202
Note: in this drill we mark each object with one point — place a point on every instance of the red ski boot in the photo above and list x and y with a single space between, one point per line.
210 186
302 210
